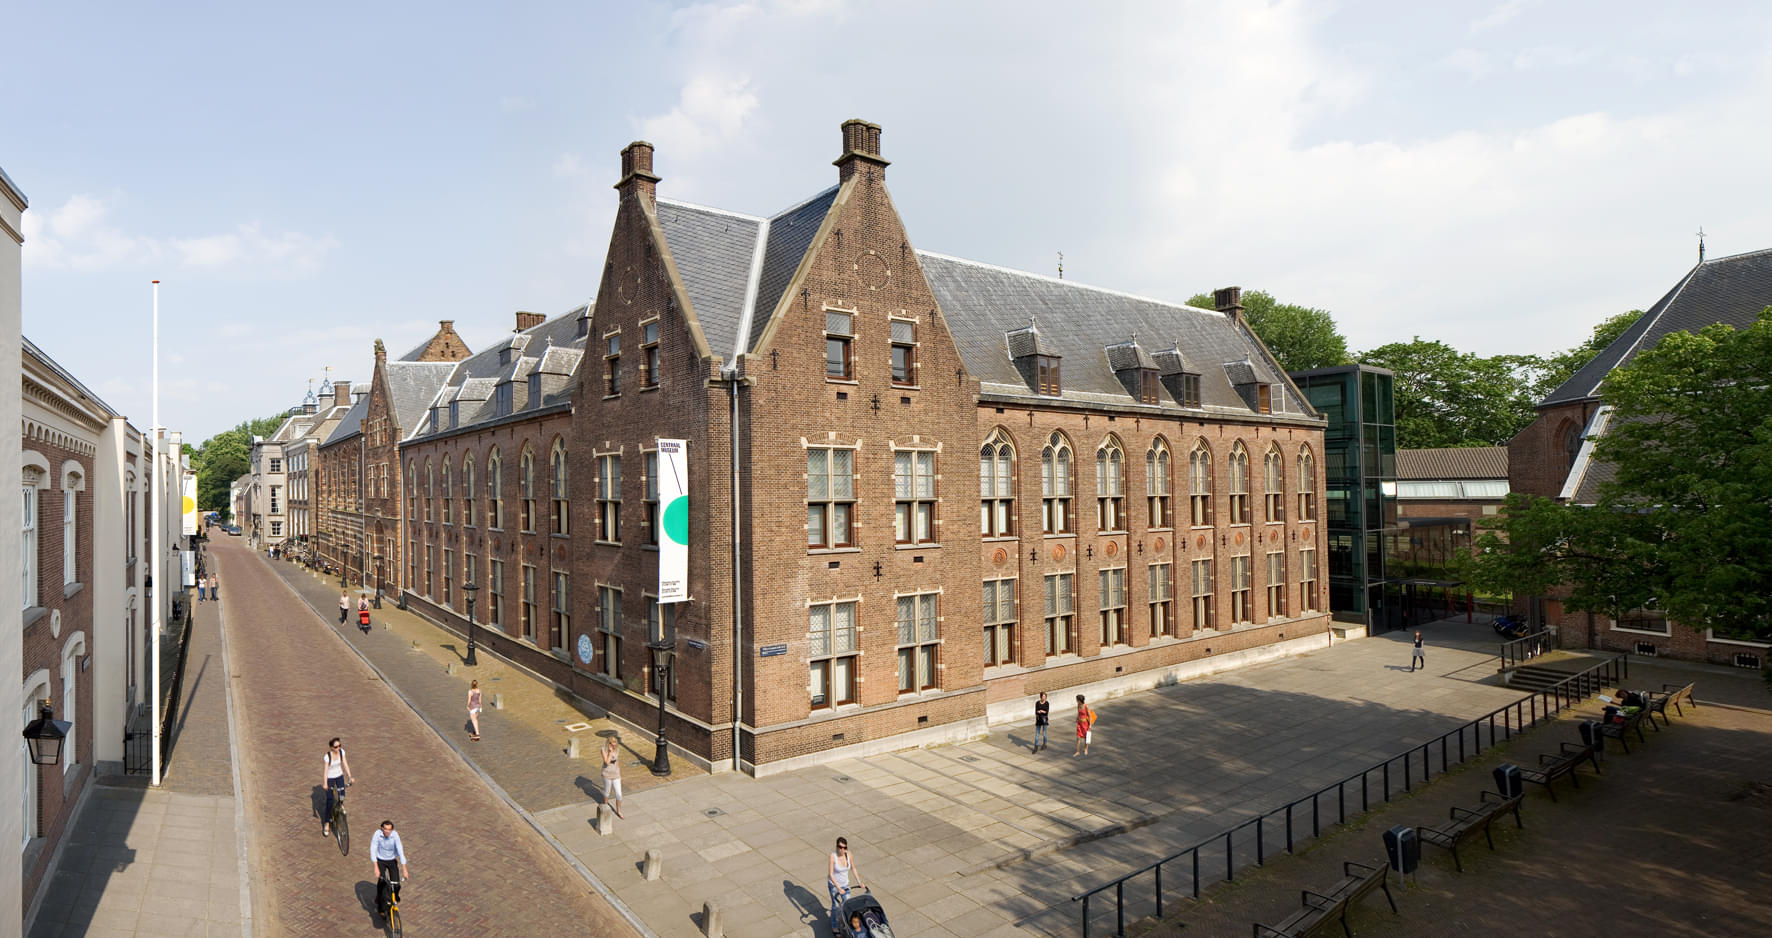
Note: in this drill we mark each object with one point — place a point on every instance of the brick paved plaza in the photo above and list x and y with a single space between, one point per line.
984 839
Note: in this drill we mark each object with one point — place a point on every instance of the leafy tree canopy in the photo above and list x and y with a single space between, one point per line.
225 457
1299 336
1685 523
1445 397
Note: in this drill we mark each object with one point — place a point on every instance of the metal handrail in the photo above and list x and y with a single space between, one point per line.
1518 651
1519 716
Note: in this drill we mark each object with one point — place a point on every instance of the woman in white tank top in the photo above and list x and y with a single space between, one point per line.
842 872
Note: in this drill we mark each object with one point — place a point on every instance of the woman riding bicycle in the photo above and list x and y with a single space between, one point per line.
338 771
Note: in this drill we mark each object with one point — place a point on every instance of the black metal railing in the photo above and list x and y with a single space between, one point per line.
1331 804
1521 650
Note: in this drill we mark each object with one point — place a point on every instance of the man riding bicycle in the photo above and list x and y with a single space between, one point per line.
389 857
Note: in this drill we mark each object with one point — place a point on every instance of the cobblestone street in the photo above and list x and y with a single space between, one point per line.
477 868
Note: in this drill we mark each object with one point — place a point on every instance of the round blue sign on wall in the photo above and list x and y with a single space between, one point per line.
584 649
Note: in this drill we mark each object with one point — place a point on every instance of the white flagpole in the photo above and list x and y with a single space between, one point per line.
156 568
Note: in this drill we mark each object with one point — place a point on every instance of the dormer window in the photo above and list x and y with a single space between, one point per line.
504 355
455 413
502 402
535 389
1190 390
1264 403
1147 385
1046 372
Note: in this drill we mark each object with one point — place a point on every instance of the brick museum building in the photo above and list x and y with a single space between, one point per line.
1553 457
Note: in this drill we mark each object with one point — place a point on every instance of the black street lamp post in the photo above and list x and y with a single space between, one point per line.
379 575
471 588
662 653
45 736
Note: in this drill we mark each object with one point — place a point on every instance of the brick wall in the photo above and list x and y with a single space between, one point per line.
1539 457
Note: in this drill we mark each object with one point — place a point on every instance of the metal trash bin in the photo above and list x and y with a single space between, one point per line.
1507 780
1590 735
1402 849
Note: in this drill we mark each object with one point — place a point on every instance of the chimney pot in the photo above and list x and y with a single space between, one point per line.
1229 300
527 321
636 169
861 143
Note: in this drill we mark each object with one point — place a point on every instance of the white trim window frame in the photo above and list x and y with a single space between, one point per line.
913 488
833 654
919 642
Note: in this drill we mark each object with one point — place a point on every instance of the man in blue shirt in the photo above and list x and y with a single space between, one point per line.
389 857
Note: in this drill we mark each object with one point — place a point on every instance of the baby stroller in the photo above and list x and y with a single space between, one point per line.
873 918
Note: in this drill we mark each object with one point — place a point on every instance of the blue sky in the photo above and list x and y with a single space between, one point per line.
1500 175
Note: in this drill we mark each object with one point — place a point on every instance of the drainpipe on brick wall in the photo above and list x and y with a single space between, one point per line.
737 584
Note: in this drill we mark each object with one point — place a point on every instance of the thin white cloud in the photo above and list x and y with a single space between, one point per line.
79 236
709 113
1502 14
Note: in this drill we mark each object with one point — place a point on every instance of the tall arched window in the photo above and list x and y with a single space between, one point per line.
412 489
1273 472
1055 485
526 489
467 489
1156 483
1307 485
1110 485
557 459
430 489
1239 484
448 492
996 486
1199 484
1571 443
495 490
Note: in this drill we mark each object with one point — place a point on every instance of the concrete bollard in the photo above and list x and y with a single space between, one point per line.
572 747
711 926
653 867
605 820
498 701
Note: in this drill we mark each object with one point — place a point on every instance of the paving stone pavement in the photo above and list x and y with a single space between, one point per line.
477 867
167 861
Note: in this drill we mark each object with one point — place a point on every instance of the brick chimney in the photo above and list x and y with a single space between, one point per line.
636 171
381 353
341 392
1229 300
528 321
861 149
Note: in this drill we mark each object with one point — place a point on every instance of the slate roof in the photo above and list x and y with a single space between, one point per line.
413 386
472 381
983 304
714 251
789 236
1452 462
1729 290
351 423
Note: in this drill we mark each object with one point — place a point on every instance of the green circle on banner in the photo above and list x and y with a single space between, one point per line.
676 519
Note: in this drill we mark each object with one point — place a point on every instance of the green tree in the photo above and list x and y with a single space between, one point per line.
1562 366
1685 522
1445 397
227 456
1299 336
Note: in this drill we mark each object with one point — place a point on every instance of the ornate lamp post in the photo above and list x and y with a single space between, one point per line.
662 652
45 736
379 575
471 588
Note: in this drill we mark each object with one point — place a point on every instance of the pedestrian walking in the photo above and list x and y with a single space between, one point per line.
1042 708
202 588
344 606
387 856
1418 657
473 707
839 879
363 614
338 772
214 588
1085 727
612 774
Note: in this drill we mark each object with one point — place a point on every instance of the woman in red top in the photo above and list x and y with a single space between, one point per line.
1085 720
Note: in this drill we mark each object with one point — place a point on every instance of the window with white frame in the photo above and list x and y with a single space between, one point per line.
649 497
1307 486
609 498
830 497
831 653
1239 485
904 352
612 365
918 641
1307 579
1158 592
839 330
70 709
276 499
913 487
276 464
999 621
70 531
1199 485
28 546
996 487
649 354
1112 590
1110 486
1156 484
276 529
609 626
1276 583
1060 614
1241 590
1055 485
1274 482
1205 602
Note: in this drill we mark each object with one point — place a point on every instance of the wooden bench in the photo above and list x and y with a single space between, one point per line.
1318 910
1552 766
1672 693
1621 730
1466 823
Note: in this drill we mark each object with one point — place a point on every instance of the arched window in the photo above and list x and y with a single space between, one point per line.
70 704
430 489
412 489
1239 485
1156 483
1273 472
557 459
1110 485
996 486
1055 485
1571 443
1307 485
526 489
467 489
448 492
495 490
1199 483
